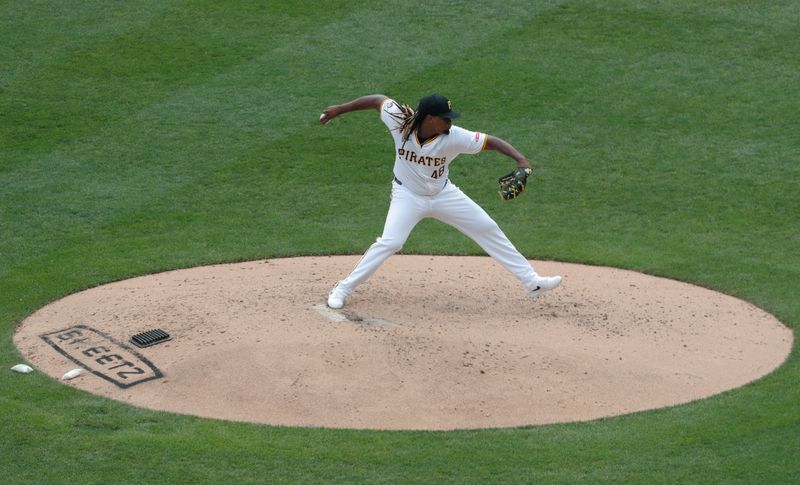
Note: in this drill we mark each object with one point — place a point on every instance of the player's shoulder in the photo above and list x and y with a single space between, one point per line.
389 105
465 140
463 133
392 114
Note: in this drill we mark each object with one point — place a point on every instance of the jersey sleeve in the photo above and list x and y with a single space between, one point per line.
466 141
391 115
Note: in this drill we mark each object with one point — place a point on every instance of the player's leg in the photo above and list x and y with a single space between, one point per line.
453 207
405 211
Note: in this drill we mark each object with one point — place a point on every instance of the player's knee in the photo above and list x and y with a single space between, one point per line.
391 244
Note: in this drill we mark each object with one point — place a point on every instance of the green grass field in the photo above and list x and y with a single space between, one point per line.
147 135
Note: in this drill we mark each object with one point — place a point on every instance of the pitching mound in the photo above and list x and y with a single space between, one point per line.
427 343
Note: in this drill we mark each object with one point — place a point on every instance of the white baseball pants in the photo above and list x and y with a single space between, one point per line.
452 207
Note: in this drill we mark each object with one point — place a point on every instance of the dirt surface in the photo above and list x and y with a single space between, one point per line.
427 343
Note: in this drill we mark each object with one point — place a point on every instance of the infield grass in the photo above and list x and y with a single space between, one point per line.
142 136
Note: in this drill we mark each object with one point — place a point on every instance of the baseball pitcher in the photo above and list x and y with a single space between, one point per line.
426 143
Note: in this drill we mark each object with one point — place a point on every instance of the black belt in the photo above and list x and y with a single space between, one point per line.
401 183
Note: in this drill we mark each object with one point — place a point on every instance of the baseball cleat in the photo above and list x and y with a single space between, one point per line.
336 298
542 284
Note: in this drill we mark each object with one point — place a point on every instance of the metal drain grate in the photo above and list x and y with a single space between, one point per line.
150 337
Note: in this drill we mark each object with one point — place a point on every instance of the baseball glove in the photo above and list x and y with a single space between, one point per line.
512 184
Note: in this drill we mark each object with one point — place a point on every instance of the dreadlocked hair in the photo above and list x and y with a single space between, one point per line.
409 121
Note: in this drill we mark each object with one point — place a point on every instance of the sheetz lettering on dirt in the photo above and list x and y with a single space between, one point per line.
102 356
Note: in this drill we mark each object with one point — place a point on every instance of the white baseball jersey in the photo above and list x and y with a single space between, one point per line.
423 168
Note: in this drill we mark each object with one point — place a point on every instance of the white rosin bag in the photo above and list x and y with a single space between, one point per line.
72 374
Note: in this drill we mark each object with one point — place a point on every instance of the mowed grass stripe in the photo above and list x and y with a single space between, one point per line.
104 82
36 34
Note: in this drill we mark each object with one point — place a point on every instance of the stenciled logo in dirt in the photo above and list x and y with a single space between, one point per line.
102 355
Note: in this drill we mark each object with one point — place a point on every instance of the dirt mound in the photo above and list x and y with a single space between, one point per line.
427 343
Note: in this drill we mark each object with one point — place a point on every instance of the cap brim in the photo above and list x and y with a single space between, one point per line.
451 114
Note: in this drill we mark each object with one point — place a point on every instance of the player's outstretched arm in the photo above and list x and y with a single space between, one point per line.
502 146
372 101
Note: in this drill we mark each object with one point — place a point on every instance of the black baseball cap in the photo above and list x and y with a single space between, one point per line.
436 105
